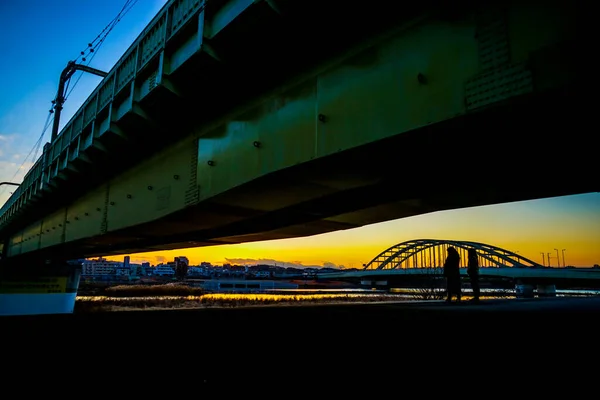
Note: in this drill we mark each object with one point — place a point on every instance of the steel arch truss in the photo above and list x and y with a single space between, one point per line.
432 253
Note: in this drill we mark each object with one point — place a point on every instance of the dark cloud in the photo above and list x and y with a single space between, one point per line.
139 260
278 263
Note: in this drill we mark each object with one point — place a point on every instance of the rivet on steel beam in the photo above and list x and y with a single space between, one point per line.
150 187
256 143
59 224
421 78
67 222
175 177
98 209
128 196
86 214
322 118
112 203
210 162
76 218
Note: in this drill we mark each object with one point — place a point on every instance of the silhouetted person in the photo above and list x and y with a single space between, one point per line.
473 272
452 274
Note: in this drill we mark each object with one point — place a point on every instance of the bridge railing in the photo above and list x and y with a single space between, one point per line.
79 132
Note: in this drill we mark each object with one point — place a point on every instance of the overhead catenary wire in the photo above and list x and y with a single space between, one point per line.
94 50
106 29
38 144
33 151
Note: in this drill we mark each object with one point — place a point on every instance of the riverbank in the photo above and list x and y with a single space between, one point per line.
179 296
217 300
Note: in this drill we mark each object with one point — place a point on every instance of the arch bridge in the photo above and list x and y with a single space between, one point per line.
428 253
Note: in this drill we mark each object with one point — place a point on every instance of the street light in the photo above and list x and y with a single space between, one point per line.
558 258
544 260
563 254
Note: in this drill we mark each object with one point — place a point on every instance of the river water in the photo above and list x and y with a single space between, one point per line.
312 295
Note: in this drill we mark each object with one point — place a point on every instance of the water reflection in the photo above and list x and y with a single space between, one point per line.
242 296
315 295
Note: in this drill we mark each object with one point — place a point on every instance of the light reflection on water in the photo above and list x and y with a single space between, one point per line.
294 295
240 296
501 292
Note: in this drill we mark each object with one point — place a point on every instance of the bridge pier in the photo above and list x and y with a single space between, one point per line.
524 290
41 289
374 284
528 290
547 290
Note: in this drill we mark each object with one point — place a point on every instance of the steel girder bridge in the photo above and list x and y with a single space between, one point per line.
431 253
202 134
231 121
424 258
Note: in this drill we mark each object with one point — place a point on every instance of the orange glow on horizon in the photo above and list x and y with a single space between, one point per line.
528 228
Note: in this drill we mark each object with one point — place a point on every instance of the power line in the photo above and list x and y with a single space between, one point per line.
108 27
40 140
34 150
94 50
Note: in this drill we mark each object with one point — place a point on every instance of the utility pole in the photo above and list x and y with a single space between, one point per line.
60 95
558 258
543 260
549 259
563 254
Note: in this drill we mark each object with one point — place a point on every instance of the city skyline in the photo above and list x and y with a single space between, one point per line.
43 50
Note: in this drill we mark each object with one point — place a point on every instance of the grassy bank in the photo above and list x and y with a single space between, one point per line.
177 296
169 289
208 301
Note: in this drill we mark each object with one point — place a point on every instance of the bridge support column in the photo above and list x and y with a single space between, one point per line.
546 290
374 284
524 290
48 289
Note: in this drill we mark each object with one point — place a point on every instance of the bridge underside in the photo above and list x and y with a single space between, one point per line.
530 146
438 173
469 161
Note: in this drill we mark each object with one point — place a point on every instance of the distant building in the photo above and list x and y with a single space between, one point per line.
181 266
163 270
310 272
99 268
182 260
122 272
198 271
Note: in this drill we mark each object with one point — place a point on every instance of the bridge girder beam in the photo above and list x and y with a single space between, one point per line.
314 126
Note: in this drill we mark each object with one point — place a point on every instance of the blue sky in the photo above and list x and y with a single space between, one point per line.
39 37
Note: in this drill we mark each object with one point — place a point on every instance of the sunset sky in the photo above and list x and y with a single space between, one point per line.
39 38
